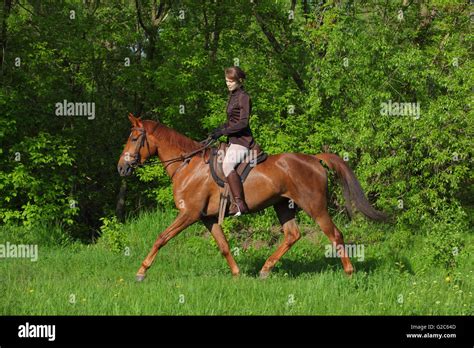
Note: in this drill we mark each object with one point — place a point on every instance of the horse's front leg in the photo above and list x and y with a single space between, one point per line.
216 231
182 221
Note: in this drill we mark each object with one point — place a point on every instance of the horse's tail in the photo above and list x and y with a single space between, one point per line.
351 188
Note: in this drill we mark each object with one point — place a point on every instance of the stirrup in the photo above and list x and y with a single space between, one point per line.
238 212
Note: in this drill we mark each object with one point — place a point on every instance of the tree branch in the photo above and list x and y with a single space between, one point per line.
278 49
140 19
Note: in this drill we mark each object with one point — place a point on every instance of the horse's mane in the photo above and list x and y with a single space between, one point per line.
179 140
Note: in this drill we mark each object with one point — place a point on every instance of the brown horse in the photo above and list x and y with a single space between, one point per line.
285 181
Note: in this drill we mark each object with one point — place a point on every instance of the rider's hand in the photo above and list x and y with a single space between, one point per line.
217 133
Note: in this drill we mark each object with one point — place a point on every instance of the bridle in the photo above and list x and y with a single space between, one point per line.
142 140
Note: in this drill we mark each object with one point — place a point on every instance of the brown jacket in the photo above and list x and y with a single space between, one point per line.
239 107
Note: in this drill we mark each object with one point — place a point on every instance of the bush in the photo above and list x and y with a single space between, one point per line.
444 242
113 236
159 187
408 164
36 184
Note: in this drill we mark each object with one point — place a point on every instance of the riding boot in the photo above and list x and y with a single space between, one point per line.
237 190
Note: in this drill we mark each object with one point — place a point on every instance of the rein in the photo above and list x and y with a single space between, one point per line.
207 142
183 157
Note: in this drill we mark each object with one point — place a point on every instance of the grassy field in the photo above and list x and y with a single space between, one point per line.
190 277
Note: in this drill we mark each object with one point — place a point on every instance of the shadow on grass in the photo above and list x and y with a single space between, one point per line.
295 268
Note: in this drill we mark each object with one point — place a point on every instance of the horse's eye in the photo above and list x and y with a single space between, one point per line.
134 139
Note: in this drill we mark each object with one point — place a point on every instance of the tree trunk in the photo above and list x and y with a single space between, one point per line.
120 208
7 5
215 35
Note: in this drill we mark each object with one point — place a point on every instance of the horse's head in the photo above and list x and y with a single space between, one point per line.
137 149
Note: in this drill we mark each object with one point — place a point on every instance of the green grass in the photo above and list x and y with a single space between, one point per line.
190 277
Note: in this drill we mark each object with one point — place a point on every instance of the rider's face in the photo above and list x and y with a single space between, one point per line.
231 84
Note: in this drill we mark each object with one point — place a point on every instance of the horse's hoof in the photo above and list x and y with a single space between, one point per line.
349 272
140 277
264 274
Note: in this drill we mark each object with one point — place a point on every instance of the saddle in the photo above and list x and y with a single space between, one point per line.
216 157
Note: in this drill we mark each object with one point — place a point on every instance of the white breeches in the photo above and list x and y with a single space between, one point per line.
234 155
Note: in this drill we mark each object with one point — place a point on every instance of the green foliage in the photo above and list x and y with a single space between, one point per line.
411 165
159 187
321 83
113 236
444 243
36 184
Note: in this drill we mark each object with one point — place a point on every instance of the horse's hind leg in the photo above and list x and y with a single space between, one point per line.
335 236
286 215
216 231
315 205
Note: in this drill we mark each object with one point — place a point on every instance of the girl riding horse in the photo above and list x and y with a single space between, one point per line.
237 128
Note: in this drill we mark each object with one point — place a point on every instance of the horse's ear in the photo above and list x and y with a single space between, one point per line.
136 122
